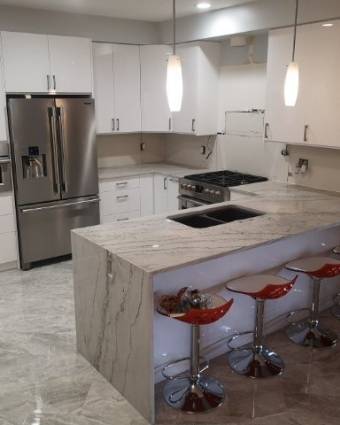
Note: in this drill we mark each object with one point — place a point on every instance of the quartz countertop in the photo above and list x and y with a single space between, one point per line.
140 169
155 244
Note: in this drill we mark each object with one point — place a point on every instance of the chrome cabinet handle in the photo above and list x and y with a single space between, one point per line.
165 183
266 128
113 124
122 197
5 161
54 151
60 119
53 207
123 219
170 124
305 133
118 124
48 82
173 180
54 83
121 184
193 125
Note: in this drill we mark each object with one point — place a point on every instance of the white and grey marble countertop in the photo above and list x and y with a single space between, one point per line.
140 169
156 244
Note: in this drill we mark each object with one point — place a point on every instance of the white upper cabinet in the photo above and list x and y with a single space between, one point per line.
318 55
283 123
314 120
117 88
26 62
104 87
156 115
71 64
126 70
39 63
3 127
200 65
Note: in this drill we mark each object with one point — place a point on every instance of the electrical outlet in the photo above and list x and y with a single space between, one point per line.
203 149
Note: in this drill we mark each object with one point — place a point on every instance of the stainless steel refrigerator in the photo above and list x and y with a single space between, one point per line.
55 172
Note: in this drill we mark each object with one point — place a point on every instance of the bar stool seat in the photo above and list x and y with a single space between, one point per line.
309 332
194 392
255 360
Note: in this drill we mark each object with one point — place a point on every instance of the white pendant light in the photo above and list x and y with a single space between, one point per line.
291 87
174 78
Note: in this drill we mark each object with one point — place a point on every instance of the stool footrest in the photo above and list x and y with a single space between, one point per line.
186 373
235 336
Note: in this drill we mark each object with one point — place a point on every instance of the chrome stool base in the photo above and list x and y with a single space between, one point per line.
336 311
308 334
194 396
260 362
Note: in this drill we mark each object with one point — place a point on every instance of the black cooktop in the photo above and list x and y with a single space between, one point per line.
226 178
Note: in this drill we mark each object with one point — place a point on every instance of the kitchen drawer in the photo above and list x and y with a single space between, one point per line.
119 184
119 217
6 203
7 224
8 247
119 201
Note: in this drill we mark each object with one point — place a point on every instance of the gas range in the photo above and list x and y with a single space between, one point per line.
213 187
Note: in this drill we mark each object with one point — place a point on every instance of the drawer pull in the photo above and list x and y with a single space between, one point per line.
123 219
121 184
122 197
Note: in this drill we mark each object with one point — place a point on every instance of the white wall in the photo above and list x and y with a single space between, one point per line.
255 16
98 28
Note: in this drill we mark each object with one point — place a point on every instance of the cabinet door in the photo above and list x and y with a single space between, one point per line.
185 120
156 116
3 131
318 55
103 87
26 62
284 123
126 66
172 198
71 63
161 194
147 196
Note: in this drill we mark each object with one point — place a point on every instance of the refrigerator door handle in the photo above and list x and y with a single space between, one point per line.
60 119
53 207
53 135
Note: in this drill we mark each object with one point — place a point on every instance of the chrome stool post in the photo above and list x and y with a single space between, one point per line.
309 332
256 360
194 393
336 307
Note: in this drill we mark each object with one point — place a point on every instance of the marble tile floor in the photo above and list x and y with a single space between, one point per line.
42 379
44 382
308 393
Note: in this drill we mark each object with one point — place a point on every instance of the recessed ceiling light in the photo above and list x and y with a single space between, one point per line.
327 25
203 5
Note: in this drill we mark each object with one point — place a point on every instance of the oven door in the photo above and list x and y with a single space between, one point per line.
186 202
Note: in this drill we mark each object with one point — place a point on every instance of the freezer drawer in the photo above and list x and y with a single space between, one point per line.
44 230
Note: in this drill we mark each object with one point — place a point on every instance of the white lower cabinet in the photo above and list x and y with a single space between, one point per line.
146 196
132 197
8 234
166 194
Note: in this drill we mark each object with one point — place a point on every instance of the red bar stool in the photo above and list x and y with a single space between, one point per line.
309 332
336 307
255 360
194 392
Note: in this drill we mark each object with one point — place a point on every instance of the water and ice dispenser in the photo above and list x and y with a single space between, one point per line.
34 163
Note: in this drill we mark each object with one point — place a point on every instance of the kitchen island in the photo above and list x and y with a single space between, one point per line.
119 267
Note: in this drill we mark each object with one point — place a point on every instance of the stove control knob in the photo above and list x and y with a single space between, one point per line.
193 187
206 190
212 192
189 186
217 193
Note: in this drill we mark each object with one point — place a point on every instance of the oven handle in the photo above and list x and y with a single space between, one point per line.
192 201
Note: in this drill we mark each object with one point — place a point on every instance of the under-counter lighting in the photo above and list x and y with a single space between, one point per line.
203 5
328 25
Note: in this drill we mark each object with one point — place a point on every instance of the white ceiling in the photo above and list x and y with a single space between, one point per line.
148 10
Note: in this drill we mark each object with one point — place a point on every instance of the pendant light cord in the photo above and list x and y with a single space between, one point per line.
295 28
174 25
